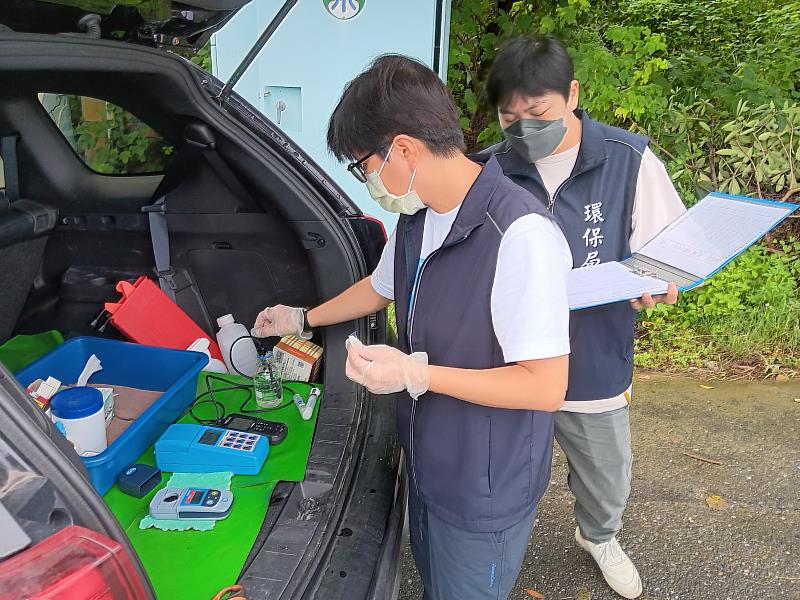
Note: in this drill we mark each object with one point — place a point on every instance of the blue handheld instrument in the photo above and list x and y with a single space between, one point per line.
186 448
191 503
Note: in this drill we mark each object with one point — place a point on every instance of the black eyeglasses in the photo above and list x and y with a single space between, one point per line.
357 168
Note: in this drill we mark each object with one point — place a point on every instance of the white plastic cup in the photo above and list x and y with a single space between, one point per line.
79 410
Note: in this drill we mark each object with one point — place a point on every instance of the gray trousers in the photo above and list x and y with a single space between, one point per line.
598 450
456 564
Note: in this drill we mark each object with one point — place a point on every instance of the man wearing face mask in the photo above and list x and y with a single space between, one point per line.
477 269
611 195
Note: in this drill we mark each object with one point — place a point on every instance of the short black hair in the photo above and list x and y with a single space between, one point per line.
395 95
531 65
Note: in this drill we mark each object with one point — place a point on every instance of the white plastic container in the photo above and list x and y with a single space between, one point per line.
244 356
213 365
79 411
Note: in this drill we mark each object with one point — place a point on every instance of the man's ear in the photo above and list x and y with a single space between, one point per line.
574 95
409 148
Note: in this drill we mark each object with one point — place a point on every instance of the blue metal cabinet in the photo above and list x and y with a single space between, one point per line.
299 76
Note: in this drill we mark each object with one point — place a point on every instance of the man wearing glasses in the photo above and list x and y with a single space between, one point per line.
477 270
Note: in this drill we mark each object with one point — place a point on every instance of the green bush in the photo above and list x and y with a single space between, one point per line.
755 152
118 143
203 57
620 70
748 311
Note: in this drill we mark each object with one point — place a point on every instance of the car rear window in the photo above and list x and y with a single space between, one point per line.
107 138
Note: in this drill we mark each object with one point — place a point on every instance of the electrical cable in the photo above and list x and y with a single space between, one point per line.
208 397
257 342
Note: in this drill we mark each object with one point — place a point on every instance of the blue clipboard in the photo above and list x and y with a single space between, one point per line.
688 252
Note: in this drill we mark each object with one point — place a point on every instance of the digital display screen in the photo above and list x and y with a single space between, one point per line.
210 437
196 498
240 423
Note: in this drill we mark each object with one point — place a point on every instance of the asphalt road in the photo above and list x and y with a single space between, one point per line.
747 547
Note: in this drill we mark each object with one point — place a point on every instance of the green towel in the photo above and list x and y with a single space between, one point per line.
211 481
22 350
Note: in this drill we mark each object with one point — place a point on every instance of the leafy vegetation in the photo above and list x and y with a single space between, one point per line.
203 57
114 142
715 85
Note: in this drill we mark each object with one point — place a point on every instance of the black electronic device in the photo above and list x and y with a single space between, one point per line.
275 432
137 480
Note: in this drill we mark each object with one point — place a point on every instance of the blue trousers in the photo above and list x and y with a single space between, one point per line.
465 565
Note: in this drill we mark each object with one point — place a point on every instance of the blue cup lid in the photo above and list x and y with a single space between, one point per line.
76 403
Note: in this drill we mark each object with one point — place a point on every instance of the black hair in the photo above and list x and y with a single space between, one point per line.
395 95
531 65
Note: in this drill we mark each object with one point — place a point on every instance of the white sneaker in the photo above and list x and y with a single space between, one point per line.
619 572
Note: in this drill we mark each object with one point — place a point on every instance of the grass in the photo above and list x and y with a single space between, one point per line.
758 343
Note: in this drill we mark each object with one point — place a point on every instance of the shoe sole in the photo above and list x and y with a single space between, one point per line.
582 543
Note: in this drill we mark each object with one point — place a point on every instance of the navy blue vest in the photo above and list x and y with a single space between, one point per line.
479 468
594 208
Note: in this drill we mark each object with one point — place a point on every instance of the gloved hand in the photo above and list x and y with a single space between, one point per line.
279 320
384 370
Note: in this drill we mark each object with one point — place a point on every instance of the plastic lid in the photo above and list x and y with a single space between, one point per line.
76 403
225 320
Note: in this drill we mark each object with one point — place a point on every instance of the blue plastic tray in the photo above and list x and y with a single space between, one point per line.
173 372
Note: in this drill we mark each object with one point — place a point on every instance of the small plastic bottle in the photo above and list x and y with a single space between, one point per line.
239 356
267 382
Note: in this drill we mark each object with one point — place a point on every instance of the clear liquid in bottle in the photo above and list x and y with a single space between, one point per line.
267 382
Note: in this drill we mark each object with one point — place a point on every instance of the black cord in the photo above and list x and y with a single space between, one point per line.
230 353
257 342
219 408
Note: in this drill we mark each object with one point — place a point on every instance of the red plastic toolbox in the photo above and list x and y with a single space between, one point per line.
147 316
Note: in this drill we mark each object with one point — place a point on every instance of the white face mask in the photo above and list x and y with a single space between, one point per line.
406 204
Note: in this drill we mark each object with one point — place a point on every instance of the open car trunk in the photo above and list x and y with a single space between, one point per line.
251 223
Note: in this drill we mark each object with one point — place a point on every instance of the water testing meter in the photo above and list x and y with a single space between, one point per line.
187 448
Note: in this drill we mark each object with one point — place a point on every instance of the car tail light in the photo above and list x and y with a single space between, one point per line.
73 564
379 222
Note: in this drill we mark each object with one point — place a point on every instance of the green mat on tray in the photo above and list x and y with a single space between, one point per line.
197 564
22 350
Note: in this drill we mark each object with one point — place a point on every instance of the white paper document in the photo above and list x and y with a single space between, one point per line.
608 282
713 232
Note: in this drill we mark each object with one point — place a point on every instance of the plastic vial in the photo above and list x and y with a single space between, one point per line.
267 382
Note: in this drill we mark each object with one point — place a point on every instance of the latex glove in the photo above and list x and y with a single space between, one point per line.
384 370
279 320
